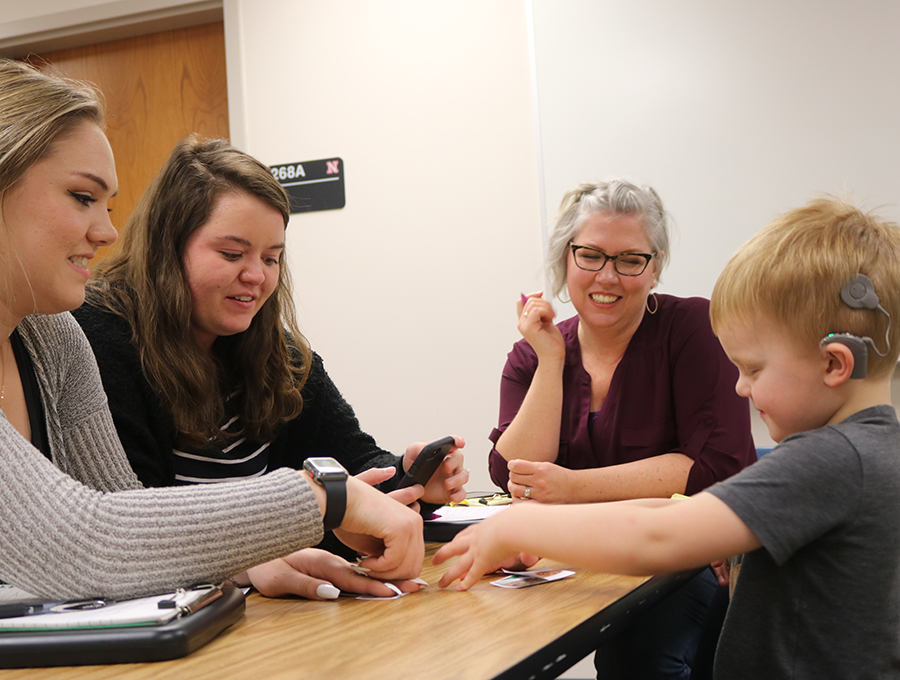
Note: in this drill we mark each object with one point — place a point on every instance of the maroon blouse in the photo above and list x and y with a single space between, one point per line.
673 390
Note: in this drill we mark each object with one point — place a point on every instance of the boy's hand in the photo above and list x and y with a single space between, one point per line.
480 552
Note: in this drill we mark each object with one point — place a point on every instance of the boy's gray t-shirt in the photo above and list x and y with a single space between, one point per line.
821 598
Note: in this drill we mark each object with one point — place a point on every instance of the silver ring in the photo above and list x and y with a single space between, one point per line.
525 314
527 493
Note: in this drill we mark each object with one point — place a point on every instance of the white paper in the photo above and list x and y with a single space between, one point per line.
454 514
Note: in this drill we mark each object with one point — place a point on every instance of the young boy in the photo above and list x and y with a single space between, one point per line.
819 588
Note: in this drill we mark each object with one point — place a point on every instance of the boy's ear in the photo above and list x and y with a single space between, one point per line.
840 363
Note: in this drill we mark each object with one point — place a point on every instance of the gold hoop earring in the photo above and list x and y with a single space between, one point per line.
647 303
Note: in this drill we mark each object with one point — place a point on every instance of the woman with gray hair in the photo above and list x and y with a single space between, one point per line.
631 398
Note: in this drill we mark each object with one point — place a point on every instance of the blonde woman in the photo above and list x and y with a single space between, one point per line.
76 520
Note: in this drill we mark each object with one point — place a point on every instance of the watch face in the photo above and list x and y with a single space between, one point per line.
325 468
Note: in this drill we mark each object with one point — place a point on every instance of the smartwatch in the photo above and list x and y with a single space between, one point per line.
333 478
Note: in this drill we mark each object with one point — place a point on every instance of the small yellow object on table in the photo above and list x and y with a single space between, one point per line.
495 499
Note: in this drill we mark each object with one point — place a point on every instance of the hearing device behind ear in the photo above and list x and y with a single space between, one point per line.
859 293
857 346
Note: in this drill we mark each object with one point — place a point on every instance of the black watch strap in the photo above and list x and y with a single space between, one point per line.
333 478
335 502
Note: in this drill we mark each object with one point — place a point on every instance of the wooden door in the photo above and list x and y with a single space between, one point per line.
158 89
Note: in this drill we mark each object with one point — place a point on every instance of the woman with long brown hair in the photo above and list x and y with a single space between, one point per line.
208 376
76 520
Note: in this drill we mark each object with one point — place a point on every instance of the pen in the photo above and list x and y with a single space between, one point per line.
12 610
201 598
190 600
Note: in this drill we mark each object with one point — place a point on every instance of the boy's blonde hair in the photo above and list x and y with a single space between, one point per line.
792 272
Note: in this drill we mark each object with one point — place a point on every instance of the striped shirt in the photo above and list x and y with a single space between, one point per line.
237 458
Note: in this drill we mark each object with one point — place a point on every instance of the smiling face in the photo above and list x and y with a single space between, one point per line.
784 381
232 264
605 300
52 223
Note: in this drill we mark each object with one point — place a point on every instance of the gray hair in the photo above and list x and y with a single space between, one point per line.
615 197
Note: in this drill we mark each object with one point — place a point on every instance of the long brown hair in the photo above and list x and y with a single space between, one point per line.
145 282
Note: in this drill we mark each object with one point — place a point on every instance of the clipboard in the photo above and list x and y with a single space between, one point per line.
122 644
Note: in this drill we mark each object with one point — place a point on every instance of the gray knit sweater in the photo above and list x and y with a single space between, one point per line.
84 527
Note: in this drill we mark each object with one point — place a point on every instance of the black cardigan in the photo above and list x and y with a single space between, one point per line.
327 426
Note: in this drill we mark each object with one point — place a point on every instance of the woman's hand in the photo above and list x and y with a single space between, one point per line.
722 570
383 528
407 496
536 325
541 481
375 476
446 484
534 431
317 575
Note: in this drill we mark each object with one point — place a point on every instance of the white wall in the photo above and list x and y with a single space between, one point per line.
408 292
734 112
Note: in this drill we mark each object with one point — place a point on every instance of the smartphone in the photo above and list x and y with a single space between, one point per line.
427 462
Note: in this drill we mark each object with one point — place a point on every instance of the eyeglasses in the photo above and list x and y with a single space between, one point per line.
626 264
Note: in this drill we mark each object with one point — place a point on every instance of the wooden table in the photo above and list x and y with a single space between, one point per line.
487 632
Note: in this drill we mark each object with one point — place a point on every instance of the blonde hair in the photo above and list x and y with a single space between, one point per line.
36 109
791 273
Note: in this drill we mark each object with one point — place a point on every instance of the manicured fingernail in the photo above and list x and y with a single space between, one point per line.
328 592
524 298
